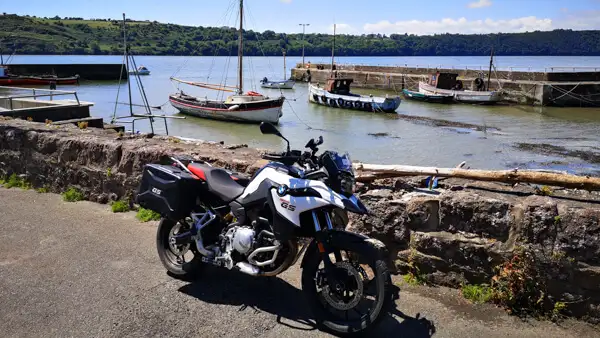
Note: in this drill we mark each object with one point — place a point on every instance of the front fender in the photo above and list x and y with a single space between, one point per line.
353 204
346 240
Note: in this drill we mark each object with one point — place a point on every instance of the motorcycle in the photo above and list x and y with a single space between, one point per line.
255 225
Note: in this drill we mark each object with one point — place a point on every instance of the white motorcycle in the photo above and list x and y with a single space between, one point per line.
213 216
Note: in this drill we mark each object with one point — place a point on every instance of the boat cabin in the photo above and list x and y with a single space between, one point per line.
339 86
445 81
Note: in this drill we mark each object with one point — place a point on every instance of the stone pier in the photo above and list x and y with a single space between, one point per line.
565 89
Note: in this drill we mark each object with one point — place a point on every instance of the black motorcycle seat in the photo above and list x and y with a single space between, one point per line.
218 180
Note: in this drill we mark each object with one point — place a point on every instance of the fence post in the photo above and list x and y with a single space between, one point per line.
34 97
10 103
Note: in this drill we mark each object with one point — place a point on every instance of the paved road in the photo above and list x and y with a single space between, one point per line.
76 269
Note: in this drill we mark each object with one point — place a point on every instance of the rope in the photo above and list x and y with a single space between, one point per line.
298 117
259 44
187 58
118 91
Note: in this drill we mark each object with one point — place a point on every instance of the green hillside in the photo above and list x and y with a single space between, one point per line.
30 35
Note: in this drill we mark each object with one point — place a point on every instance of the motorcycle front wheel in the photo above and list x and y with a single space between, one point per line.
360 296
183 261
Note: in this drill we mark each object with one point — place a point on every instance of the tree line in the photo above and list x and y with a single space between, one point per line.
30 35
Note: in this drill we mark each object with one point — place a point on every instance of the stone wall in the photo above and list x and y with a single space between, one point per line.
99 162
458 233
462 232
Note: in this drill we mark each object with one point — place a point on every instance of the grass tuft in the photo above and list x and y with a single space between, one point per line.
42 190
119 206
147 215
15 181
72 195
477 293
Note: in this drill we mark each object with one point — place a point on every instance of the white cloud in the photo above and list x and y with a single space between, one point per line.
461 26
480 4
343 28
579 20
286 1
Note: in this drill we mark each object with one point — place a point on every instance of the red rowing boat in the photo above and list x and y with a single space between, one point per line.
18 80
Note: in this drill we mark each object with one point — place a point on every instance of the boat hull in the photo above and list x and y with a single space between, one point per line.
464 96
355 102
287 84
423 97
268 110
36 81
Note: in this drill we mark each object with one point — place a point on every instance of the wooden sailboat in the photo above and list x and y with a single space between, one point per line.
248 107
283 84
337 94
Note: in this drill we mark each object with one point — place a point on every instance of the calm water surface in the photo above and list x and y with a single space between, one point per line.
407 142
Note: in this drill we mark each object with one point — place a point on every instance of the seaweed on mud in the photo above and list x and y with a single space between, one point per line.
549 149
445 123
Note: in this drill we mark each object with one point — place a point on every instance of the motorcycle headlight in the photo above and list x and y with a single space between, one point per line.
347 184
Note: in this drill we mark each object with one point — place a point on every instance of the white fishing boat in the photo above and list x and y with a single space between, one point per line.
250 107
141 70
336 94
447 84
283 84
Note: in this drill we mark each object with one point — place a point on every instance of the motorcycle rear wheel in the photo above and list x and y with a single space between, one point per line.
183 261
351 321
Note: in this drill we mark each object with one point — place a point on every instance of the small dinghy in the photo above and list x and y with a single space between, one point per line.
283 84
336 94
426 97
140 71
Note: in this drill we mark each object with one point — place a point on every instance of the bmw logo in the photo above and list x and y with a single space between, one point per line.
282 190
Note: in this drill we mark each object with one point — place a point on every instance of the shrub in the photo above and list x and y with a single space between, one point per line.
147 215
72 195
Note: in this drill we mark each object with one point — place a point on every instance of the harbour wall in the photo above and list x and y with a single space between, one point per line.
456 234
86 71
566 89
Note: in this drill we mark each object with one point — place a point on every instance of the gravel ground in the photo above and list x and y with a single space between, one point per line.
76 269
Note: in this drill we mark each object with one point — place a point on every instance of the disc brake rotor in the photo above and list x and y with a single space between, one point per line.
177 249
349 287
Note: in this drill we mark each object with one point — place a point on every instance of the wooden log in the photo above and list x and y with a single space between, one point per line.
370 172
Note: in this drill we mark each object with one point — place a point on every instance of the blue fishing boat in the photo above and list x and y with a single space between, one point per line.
336 94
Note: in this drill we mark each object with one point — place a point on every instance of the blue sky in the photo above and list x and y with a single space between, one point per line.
351 16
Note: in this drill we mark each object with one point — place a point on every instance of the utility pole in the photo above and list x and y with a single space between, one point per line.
303 30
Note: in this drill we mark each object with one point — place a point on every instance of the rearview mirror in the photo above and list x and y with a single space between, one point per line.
310 144
267 128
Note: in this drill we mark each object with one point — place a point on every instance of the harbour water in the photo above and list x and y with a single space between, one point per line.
509 136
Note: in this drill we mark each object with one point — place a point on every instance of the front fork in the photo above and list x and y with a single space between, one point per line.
325 248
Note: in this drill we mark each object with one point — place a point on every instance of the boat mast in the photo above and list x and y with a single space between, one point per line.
241 48
490 71
284 68
333 49
127 61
